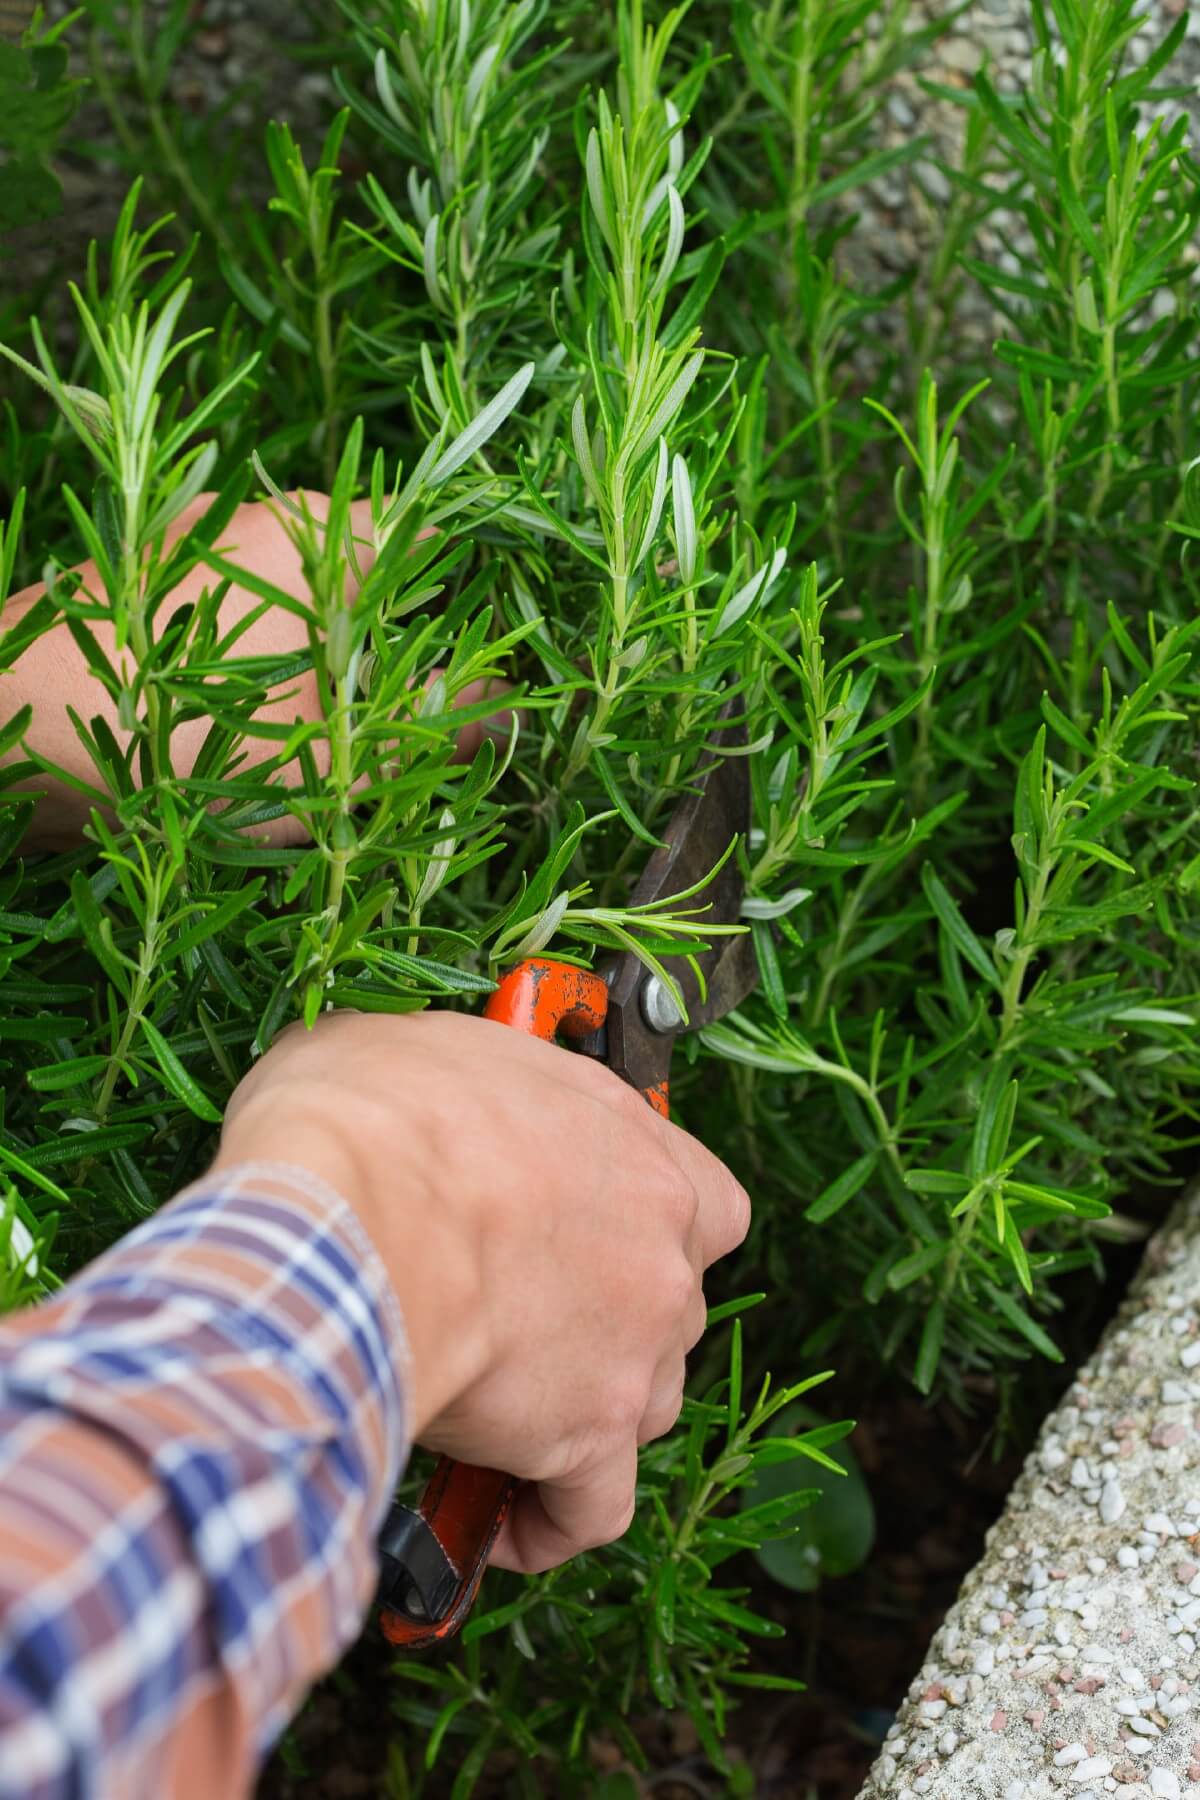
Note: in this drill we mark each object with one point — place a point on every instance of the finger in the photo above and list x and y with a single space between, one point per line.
666 1399
552 1521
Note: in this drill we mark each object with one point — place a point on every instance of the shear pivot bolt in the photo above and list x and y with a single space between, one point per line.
658 1006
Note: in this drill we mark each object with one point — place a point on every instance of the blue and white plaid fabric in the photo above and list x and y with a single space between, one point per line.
199 1437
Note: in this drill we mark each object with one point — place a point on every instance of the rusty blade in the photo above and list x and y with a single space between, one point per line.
701 831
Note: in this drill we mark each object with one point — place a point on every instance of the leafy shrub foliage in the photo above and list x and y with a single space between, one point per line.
584 309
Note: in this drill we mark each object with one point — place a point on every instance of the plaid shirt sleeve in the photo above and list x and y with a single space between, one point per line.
198 1440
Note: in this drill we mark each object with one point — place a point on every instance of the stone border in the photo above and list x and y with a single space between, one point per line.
1070 1663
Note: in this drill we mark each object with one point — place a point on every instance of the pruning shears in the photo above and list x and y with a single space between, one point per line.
434 1556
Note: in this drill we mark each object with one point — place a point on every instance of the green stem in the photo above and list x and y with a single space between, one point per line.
1014 981
341 780
935 562
825 455
142 988
327 367
847 919
1112 396
800 109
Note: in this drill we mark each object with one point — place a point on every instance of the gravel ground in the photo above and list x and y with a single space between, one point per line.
244 54
900 214
1070 1663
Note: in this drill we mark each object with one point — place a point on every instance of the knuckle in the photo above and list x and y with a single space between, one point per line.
624 1517
627 1100
677 1290
626 1403
616 1522
607 1088
738 1209
678 1201
664 1417
697 1320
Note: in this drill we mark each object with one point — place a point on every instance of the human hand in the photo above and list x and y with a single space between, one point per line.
53 674
546 1233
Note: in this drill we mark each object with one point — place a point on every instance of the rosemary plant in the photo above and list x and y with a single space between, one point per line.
584 332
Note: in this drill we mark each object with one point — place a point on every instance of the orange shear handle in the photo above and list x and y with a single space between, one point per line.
551 999
547 999
464 1507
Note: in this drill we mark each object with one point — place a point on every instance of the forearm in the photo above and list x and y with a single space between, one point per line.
198 1440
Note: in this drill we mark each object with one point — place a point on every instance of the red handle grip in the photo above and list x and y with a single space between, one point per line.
463 1508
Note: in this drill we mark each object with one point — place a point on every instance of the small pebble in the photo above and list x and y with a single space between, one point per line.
1190 1355
1165 1784
1165 1437
1112 1502
1094 1769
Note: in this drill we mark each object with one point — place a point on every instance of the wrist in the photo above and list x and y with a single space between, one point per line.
425 1250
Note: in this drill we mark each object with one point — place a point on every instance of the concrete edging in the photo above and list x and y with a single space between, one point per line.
1069 1665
